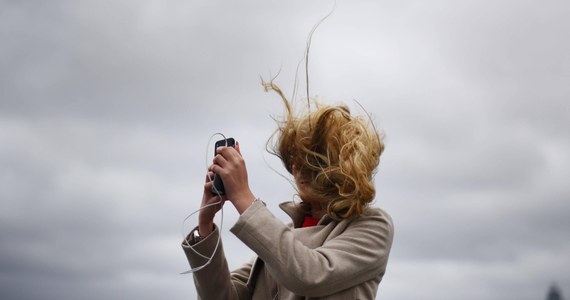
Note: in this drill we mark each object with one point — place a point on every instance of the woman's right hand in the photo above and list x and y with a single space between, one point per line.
206 215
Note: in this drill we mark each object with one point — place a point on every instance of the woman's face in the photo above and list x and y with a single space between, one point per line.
302 182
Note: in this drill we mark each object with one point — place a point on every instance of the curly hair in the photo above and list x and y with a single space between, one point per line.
337 152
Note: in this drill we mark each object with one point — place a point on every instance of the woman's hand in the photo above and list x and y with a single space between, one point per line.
230 166
206 215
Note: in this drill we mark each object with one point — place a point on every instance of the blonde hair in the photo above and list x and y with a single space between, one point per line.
338 152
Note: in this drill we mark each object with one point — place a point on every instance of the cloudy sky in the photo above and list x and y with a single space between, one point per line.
106 109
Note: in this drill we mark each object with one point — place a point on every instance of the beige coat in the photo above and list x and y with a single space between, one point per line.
332 260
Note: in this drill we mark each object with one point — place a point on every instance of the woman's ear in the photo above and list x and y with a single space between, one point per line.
294 169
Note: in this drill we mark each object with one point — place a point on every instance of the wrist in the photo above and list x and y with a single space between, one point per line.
195 236
204 229
244 201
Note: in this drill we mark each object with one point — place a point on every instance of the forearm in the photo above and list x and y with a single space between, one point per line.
213 281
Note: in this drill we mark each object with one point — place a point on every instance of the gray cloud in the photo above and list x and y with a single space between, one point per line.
106 109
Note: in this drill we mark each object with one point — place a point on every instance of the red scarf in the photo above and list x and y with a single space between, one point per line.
310 221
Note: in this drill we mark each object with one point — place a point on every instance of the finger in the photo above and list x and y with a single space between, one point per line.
208 185
209 176
225 151
220 160
220 149
208 189
237 148
230 153
214 169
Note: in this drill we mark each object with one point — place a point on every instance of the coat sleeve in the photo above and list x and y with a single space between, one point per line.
215 281
358 254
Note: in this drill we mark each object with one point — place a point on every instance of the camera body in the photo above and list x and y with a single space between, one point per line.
218 186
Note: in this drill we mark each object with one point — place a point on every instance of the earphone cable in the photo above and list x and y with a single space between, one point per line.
221 202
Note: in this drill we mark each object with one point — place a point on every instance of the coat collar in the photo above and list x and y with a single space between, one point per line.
297 214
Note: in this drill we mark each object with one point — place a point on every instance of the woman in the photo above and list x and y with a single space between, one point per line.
337 245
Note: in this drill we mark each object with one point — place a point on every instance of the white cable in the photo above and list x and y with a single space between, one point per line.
221 202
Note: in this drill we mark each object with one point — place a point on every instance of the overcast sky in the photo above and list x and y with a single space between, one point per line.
106 109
